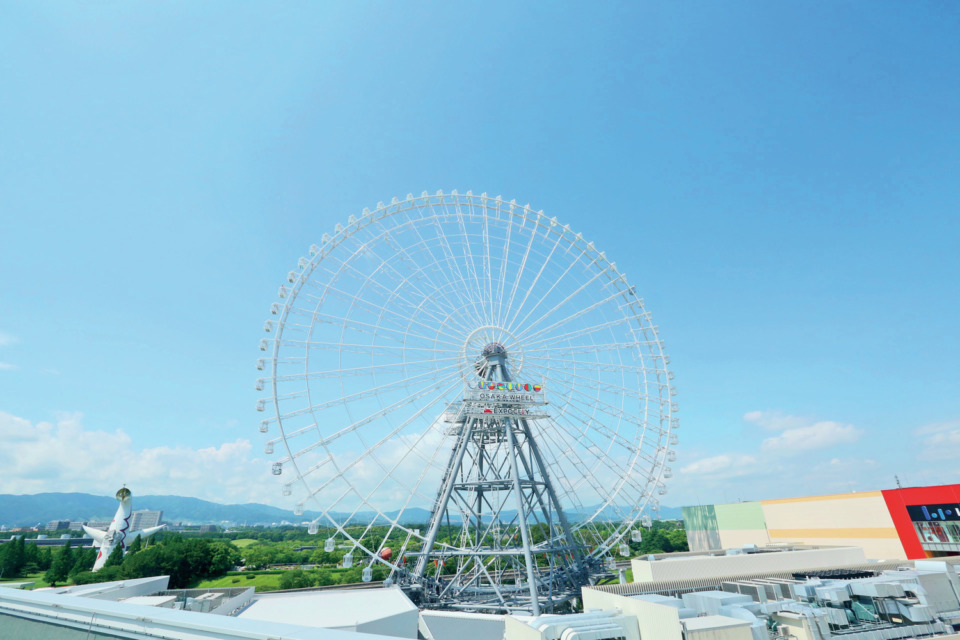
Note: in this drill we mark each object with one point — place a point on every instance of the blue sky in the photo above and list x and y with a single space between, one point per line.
779 180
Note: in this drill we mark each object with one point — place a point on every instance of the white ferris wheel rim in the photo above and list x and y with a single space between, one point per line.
535 346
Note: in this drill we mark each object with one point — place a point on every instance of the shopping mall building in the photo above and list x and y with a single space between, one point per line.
908 523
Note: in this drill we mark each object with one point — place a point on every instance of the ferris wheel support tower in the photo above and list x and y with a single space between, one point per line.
496 464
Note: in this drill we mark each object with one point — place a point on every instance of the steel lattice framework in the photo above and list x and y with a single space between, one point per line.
473 384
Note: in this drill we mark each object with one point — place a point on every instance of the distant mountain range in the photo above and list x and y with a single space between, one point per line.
28 510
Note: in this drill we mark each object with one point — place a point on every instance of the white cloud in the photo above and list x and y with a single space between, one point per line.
775 420
766 467
6 366
66 456
820 435
942 441
937 427
727 464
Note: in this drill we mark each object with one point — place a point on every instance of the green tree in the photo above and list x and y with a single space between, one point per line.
296 579
259 556
223 557
678 540
31 558
14 557
135 546
84 559
45 559
60 568
325 578
115 559
143 564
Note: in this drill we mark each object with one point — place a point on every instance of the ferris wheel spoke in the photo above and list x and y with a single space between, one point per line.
427 365
536 279
608 387
458 291
575 422
381 349
615 437
487 265
404 281
621 472
415 490
316 467
386 292
579 333
556 281
587 472
586 348
471 261
601 385
504 264
410 319
386 438
527 335
448 287
523 265
451 259
375 330
360 395
596 366
583 287
618 472
372 417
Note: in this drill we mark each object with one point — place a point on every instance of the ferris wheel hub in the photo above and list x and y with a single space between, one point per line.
494 349
489 341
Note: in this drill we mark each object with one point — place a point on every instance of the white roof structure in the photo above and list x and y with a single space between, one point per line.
706 566
151 601
18 585
461 625
703 623
384 611
117 590
29 614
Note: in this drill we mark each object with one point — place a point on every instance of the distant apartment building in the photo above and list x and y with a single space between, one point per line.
209 528
58 525
145 519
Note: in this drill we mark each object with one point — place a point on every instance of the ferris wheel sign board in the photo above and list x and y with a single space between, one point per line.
505 397
486 412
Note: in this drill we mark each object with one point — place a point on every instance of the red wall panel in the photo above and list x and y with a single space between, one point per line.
897 501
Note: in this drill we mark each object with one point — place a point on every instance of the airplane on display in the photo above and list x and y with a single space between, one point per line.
118 533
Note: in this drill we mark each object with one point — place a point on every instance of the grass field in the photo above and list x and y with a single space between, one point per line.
33 577
243 542
261 581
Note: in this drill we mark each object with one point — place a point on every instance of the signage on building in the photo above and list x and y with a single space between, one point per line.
944 512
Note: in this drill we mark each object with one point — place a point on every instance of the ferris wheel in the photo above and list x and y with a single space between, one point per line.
471 396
